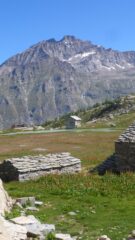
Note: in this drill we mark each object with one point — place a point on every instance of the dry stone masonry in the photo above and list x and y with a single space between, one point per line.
125 150
124 157
31 167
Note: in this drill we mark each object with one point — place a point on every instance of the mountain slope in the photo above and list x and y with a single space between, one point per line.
118 113
56 77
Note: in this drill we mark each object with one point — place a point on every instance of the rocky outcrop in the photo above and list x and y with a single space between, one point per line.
23 227
8 230
11 231
31 167
33 227
5 201
56 77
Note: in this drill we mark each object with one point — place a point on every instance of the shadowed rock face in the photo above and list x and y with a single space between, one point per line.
56 77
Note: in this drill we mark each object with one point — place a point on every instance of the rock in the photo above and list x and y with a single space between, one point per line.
60 66
33 226
32 209
24 220
23 213
72 213
133 233
131 236
21 227
40 149
5 201
26 201
38 203
38 128
104 237
93 211
112 124
111 116
18 205
10 231
60 236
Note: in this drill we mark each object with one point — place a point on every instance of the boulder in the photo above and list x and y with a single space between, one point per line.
26 201
10 231
131 236
33 226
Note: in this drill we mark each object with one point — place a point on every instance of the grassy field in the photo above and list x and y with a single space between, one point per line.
103 205
90 147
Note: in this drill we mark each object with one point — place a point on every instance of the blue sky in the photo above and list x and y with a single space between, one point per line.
110 23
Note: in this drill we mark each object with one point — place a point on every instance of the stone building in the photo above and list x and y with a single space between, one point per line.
125 150
123 160
73 122
31 167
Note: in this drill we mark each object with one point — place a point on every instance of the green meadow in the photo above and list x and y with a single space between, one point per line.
101 204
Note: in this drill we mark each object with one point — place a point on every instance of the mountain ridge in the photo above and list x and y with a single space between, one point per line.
53 77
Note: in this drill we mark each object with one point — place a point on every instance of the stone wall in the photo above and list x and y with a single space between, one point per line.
31 167
125 150
123 159
125 153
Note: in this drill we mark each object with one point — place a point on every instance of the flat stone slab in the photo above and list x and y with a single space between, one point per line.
60 236
128 135
104 237
33 226
11 231
31 167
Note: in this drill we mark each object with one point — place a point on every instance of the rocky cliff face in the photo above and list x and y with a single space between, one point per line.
55 77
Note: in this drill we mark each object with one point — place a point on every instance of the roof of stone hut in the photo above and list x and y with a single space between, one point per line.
128 135
76 118
40 162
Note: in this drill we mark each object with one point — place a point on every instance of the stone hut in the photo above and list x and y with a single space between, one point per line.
125 150
123 160
73 122
31 167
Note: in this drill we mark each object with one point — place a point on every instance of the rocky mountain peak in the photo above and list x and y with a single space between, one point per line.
68 38
54 77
